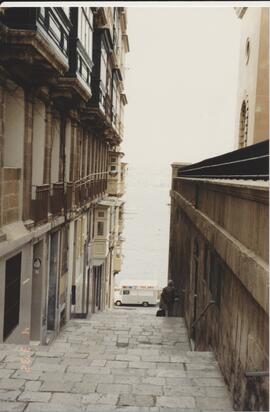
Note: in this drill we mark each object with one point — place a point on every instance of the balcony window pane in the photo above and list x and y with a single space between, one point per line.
100 228
103 66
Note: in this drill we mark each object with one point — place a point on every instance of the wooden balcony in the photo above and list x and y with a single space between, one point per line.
40 204
35 43
89 188
57 204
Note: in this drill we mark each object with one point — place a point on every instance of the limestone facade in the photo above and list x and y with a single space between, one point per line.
62 101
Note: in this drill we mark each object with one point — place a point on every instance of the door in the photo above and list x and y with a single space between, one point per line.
52 293
37 282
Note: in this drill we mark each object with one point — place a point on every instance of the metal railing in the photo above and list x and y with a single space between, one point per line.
209 304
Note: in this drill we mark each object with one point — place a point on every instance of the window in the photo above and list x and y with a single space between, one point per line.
113 159
100 228
113 168
12 294
85 30
103 65
126 292
101 214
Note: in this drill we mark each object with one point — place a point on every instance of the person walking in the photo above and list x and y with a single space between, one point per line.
167 298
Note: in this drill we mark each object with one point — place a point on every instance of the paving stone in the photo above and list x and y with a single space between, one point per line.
183 391
6 373
56 386
55 360
206 366
213 403
67 377
83 387
213 382
129 371
35 396
71 355
12 406
11 384
100 399
128 358
30 376
99 378
66 398
154 381
98 362
176 402
126 379
100 408
32 386
44 367
147 389
204 373
116 364
137 409
178 410
88 369
9 395
113 388
167 373
136 400
50 354
142 365
216 392
52 407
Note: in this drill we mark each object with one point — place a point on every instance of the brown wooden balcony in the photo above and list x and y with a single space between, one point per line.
40 204
89 188
57 205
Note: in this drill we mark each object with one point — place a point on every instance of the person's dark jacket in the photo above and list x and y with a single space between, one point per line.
168 295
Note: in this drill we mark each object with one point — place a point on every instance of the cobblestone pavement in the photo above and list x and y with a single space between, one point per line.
123 360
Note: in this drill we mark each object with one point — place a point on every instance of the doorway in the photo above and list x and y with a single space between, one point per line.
53 282
37 281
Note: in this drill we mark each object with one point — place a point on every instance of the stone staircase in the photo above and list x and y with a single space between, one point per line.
122 360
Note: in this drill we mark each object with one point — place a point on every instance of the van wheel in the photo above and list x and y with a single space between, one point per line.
118 303
145 304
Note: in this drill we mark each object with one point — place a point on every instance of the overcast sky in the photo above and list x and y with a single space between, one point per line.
181 83
181 87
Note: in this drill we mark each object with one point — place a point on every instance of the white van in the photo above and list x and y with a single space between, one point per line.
136 295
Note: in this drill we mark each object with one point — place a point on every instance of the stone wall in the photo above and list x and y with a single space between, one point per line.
219 252
10 194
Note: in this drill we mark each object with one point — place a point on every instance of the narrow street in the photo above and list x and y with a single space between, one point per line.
126 359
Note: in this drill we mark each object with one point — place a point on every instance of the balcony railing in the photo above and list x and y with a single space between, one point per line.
40 204
59 198
90 187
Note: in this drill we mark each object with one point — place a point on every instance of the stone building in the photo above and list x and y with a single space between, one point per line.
62 99
218 253
252 119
